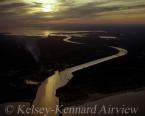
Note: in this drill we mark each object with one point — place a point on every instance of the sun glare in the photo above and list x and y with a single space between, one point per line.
47 8
46 5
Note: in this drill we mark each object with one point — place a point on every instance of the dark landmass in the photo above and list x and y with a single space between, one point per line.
118 75
35 58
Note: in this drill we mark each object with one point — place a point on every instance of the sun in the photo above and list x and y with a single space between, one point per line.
46 5
47 8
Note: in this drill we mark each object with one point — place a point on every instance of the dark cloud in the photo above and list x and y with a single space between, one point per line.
11 6
92 10
16 13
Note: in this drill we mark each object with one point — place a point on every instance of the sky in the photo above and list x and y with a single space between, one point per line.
56 13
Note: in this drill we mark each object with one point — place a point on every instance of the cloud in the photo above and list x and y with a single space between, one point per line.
11 6
96 8
20 13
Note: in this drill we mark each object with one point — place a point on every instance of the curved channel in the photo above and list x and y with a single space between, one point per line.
45 96
68 38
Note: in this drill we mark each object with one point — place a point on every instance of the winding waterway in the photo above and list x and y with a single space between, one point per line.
68 37
46 94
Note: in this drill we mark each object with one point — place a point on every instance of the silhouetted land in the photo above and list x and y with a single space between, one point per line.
117 75
36 58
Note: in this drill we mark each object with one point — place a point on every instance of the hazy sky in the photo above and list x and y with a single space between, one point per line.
51 13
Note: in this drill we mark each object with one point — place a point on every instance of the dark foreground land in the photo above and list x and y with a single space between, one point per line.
26 61
115 76
35 58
